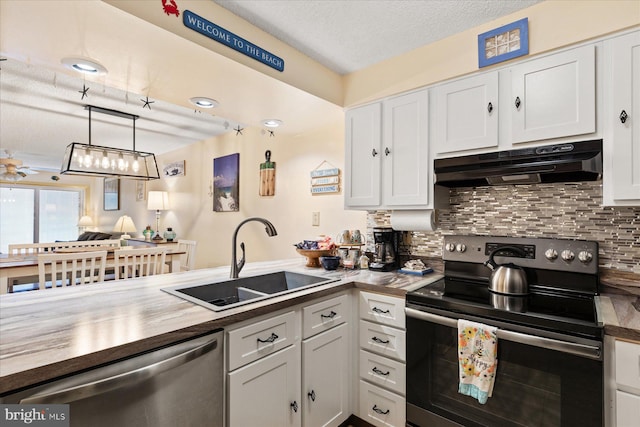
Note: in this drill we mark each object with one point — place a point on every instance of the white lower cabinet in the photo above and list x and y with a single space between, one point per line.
266 392
291 368
627 409
325 378
627 383
382 355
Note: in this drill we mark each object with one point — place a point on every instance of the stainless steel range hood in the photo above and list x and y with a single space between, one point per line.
570 162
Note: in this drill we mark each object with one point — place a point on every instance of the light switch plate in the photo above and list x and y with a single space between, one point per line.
315 219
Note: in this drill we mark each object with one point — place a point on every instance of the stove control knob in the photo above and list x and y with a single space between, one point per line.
567 255
450 247
551 254
585 257
461 247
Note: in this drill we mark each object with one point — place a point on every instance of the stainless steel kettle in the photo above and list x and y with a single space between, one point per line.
507 279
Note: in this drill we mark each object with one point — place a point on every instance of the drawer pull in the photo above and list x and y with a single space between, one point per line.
380 411
378 340
379 372
271 339
379 310
329 316
294 406
312 395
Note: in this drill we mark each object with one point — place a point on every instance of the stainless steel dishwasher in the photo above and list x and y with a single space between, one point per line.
178 385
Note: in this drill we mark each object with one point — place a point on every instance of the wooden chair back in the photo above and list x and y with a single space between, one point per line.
139 262
188 260
38 248
70 269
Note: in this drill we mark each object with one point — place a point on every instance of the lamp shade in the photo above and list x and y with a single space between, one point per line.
85 221
158 200
124 225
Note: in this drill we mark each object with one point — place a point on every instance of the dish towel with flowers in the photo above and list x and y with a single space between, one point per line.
477 358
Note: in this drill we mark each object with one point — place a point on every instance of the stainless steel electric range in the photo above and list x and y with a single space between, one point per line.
550 336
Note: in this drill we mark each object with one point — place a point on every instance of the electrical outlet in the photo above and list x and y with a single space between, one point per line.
315 219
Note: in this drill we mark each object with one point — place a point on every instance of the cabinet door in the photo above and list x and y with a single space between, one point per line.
625 142
627 409
325 378
405 156
362 156
554 96
266 392
467 114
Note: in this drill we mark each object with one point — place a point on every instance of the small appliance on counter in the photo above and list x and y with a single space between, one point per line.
385 257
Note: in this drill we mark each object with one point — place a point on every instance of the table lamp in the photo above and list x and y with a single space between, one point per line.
158 201
124 225
84 222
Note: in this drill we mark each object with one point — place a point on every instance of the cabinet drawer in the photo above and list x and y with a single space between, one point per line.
383 309
259 339
384 340
324 315
382 371
628 365
627 409
380 407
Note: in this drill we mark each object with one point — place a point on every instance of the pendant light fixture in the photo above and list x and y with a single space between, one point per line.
94 160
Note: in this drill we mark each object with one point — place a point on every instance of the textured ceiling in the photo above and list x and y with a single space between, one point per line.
348 35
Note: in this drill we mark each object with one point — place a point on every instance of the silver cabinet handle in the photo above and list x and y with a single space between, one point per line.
583 350
125 379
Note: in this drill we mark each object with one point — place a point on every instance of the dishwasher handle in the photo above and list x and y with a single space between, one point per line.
125 379
582 350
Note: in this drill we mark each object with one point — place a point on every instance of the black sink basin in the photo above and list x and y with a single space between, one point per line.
234 292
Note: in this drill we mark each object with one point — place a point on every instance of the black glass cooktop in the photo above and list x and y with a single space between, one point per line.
549 310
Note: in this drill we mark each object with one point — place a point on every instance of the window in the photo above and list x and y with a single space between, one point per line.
37 214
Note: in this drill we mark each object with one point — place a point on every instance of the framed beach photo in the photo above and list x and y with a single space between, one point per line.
111 194
503 43
226 183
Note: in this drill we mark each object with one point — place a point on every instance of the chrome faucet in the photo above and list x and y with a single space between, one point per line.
237 266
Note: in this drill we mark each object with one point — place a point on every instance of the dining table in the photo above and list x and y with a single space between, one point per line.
26 265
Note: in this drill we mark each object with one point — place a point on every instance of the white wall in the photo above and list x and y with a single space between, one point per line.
192 216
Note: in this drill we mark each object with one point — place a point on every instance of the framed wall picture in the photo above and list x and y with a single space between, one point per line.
111 194
503 43
141 190
226 183
174 169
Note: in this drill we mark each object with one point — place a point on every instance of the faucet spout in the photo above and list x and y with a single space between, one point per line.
235 265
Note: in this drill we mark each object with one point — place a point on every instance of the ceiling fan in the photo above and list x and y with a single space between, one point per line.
13 169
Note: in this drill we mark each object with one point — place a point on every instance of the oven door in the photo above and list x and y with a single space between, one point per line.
540 381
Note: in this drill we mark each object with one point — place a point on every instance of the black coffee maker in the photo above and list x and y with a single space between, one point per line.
385 256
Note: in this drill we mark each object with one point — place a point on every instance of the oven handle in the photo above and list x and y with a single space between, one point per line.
589 351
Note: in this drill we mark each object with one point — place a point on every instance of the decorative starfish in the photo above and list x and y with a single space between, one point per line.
239 130
147 103
84 91
271 133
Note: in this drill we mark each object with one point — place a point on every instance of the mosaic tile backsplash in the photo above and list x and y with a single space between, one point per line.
561 210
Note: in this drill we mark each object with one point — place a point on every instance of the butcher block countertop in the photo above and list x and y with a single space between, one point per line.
47 334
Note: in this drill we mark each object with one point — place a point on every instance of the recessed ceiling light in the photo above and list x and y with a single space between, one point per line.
84 65
203 102
272 123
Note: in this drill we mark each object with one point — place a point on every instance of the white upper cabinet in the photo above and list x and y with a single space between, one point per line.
362 157
554 96
387 154
622 116
405 152
467 114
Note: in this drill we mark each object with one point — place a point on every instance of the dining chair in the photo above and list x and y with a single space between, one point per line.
47 247
141 262
187 260
70 269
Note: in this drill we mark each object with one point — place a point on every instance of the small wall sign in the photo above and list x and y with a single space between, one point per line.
325 179
227 38
503 43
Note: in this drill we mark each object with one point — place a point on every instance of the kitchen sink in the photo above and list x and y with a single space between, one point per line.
235 292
